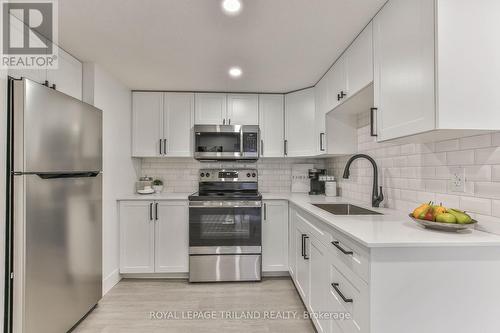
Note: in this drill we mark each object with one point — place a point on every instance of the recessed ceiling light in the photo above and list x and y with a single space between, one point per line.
235 72
231 7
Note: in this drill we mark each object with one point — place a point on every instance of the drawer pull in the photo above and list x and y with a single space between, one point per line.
336 287
344 251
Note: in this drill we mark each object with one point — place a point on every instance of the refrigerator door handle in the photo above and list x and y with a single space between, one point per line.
88 174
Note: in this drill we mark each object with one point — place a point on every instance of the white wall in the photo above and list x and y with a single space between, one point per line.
119 169
3 139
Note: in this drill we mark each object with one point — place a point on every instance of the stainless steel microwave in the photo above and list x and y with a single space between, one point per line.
226 142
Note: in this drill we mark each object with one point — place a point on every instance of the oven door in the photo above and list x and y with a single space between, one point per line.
223 227
217 142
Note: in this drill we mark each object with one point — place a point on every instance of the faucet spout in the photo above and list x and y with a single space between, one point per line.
377 196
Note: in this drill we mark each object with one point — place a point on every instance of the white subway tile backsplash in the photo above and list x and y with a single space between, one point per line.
487 190
476 205
434 159
496 208
488 156
495 173
463 157
495 139
448 145
473 142
478 173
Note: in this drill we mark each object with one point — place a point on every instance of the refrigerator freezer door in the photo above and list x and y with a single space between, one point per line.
62 250
60 133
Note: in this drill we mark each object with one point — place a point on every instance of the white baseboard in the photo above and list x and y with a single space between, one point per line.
110 281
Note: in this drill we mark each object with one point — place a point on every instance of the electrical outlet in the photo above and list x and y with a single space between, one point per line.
457 180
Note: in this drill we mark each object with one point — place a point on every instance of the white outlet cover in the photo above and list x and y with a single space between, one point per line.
457 179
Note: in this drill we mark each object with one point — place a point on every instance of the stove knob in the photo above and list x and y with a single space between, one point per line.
208 174
248 175
254 175
202 175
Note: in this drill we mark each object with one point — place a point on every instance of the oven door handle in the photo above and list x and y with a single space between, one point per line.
225 204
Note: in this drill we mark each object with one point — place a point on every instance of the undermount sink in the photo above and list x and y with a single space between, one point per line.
346 209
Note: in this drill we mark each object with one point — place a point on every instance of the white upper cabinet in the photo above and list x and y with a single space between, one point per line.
436 78
404 68
321 109
171 237
68 76
147 124
242 109
272 125
226 109
336 81
178 119
162 124
210 109
299 123
359 62
275 236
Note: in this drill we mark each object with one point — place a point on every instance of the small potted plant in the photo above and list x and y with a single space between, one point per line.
158 185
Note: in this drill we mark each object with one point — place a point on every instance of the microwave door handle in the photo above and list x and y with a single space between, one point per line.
242 153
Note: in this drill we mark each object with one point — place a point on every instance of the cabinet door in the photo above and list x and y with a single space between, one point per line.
147 125
272 125
321 109
171 237
299 123
68 76
404 68
359 62
319 284
275 236
137 230
210 109
292 243
242 109
303 255
178 123
336 83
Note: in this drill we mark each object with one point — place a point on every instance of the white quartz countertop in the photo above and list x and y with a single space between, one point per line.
150 197
392 229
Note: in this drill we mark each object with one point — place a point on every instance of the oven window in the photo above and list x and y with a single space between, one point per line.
225 226
218 142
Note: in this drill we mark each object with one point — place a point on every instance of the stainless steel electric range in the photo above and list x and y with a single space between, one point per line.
225 231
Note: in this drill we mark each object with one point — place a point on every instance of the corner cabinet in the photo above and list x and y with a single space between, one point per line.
275 236
299 124
435 78
153 236
162 124
272 125
226 109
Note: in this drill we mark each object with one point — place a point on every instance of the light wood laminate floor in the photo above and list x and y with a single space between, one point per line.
127 308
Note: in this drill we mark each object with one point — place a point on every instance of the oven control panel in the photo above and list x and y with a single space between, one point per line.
224 175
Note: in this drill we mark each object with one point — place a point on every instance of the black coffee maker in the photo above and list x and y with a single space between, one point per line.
317 186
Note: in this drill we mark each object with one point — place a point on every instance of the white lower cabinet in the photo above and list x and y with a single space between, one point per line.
328 286
318 293
137 232
275 236
153 236
172 237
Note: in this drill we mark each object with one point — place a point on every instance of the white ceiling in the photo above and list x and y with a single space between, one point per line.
281 45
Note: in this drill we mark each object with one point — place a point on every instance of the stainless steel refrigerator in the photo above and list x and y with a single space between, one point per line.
54 245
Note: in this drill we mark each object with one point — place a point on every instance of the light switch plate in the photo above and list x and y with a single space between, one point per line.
457 179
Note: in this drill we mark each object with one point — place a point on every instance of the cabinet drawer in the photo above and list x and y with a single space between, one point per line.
353 257
313 227
352 297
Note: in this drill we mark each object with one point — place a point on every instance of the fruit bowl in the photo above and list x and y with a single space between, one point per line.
443 226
